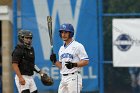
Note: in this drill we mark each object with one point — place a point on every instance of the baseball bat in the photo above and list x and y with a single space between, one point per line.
49 23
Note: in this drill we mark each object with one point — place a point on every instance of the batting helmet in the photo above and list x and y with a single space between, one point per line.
24 33
67 28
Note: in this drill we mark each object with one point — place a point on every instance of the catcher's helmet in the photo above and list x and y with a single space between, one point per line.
67 28
24 33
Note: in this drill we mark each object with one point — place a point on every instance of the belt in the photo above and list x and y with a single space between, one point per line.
71 73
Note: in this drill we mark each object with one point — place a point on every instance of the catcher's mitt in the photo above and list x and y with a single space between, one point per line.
46 80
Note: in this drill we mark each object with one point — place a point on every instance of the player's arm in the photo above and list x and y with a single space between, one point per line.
82 55
58 64
82 63
37 69
17 71
84 60
16 55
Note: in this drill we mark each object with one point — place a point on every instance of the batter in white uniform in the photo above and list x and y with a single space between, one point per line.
72 56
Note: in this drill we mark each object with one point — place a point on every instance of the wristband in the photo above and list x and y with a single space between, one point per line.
36 68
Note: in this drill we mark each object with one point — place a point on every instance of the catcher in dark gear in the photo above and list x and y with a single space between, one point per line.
23 63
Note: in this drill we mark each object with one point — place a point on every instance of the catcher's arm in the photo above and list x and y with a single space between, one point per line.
45 79
37 69
17 71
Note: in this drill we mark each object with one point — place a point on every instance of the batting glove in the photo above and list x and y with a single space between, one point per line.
70 65
53 58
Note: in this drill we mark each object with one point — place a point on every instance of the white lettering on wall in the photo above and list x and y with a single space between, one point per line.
55 73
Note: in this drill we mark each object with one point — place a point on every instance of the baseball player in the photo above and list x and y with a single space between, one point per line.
135 79
72 56
23 58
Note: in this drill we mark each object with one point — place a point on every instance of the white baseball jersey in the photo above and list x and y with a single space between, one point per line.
73 52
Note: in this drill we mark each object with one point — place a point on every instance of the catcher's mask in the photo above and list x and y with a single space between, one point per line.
46 80
25 34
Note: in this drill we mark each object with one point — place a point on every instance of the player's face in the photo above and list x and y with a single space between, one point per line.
65 35
28 40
